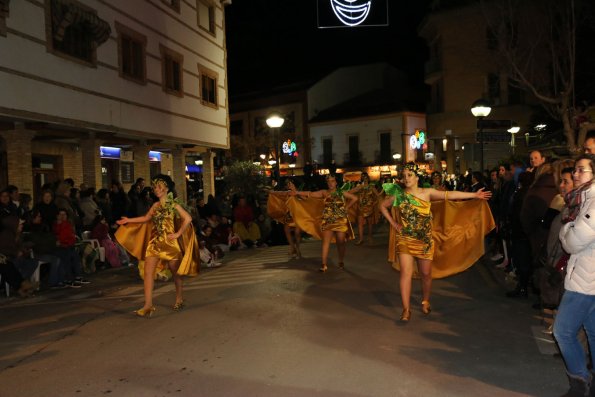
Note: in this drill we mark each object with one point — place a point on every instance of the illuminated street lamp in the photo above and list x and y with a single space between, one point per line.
275 121
396 156
481 108
514 129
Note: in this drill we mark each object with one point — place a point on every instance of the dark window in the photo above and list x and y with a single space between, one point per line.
327 150
173 4
515 95
77 42
206 16
172 71
354 149
494 88
385 147
236 127
133 54
208 90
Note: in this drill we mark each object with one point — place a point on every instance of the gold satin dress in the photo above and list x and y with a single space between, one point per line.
415 219
159 245
334 215
366 201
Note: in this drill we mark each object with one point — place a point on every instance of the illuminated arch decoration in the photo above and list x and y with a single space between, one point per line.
290 148
351 14
418 140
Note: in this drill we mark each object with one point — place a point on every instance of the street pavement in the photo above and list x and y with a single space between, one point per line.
266 325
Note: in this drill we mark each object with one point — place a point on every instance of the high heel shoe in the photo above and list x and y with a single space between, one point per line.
359 242
323 268
298 252
425 307
179 305
406 315
292 253
146 313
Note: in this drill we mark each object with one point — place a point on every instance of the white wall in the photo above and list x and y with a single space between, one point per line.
50 88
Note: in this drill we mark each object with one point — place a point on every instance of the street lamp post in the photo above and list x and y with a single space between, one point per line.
514 129
481 108
275 121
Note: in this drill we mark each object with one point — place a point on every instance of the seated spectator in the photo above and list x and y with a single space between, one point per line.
24 205
66 240
207 258
89 207
47 208
244 225
43 243
100 231
17 254
103 202
264 225
211 242
222 234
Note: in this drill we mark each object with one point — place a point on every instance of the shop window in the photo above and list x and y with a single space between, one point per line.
354 155
208 87
205 13
171 65
131 54
75 31
327 150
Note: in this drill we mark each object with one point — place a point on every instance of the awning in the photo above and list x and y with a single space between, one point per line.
65 13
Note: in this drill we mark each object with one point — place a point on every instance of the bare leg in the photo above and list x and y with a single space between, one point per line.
425 269
289 237
173 267
360 229
406 263
369 222
297 235
327 235
341 245
149 280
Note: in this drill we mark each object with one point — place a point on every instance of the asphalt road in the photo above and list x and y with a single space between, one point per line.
265 325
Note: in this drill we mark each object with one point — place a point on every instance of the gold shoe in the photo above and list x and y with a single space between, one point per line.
425 307
406 315
146 313
323 268
179 305
359 242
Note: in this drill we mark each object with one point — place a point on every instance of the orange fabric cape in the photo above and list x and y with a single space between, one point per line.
134 237
458 232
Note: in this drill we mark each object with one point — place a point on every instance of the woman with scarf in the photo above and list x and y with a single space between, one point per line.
168 240
334 223
577 308
412 222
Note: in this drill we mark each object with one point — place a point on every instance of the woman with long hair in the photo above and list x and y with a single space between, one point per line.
293 233
412 222
335 223
169 242
577 307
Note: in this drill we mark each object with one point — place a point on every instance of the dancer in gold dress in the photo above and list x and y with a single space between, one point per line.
334 223
291 229
161 242
412 221
367 207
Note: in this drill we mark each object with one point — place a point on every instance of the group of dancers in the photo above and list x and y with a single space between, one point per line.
167 238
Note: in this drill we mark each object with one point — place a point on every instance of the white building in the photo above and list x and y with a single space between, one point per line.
140 76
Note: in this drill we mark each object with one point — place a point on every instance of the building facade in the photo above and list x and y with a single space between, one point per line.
103 90
464 65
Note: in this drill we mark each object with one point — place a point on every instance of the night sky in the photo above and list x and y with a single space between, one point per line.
273 43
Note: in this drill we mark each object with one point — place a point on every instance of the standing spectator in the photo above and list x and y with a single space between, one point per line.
535 160
66 239
7 208
578 303
332 167
477 181
24 209
63 201
103 202
589 145
145 201
13 191
212 205
134 196
118 200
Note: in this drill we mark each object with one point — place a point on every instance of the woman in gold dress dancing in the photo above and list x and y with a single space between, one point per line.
367 206
163 244
412 220
335 223
293 233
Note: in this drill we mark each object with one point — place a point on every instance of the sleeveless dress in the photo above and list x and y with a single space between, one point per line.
163 224
334 215
415 218
366 201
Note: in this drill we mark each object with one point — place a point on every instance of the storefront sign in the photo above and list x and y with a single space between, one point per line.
154 156
108 152
418 140
290 148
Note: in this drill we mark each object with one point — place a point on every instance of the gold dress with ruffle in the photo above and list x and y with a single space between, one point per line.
334 215
450 233
366 201
149 239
